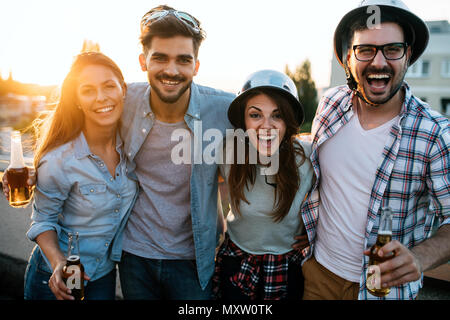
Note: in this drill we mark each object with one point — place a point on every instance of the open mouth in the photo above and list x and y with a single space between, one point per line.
267 138
378 81
104 109
170 82
266 141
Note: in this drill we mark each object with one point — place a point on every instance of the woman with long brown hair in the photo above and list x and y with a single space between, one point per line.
259 259
82 185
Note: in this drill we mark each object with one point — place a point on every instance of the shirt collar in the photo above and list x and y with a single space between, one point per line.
349 103
145 103
194 103
81 146
82 149
193 107
407 100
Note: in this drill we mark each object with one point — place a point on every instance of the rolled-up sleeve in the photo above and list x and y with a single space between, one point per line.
52 189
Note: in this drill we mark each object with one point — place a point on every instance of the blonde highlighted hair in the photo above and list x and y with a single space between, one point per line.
66 120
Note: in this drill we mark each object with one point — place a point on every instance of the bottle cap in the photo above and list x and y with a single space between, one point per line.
73 258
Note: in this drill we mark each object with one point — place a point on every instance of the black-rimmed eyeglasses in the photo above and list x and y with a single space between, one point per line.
184 17
391 51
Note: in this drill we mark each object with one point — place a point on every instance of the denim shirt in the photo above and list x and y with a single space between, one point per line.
76 193
207 110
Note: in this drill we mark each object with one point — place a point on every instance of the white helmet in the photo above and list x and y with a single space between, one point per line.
267 79
419 30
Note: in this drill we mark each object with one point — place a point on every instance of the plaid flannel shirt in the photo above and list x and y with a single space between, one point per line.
267 270
412 177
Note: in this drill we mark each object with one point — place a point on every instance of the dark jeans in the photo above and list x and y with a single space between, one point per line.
232 265
154 279
37 278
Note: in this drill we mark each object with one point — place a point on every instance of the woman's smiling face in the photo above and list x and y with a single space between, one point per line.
100 95
263 122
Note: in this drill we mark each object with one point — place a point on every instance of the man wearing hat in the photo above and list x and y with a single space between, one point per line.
376 145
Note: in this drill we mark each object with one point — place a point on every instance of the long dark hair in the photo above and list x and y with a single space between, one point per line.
287 178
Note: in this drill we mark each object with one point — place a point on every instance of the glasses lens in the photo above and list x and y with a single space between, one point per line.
393 51
365 52
187 19
151 17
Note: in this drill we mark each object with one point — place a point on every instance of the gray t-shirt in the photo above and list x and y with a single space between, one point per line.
254 231
160 225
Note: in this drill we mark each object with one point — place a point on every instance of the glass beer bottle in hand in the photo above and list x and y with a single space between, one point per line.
73 271
20 193
373 282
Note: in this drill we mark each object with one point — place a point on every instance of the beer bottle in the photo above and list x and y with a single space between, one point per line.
20 193
73 271
373 282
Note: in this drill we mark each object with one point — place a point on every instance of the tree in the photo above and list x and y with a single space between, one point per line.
307 92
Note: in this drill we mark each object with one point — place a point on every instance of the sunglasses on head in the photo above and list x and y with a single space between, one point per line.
184 17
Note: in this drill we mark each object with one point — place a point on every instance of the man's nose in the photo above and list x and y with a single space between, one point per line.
379 60
171 68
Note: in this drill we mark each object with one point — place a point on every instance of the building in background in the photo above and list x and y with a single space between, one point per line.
20 103
429 76
14 107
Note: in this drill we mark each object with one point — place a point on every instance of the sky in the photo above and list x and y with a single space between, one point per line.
39 38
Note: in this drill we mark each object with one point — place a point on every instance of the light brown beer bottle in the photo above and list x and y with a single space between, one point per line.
73 271
373 282
20 193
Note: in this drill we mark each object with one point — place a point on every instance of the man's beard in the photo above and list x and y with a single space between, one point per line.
395 87
170 99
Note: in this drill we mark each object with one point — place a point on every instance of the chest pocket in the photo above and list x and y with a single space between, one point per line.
93 194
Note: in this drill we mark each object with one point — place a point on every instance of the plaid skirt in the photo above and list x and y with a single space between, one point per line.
267 270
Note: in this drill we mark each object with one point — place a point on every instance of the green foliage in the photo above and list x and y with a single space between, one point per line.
307 91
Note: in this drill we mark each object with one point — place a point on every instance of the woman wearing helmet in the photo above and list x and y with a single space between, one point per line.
259 259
